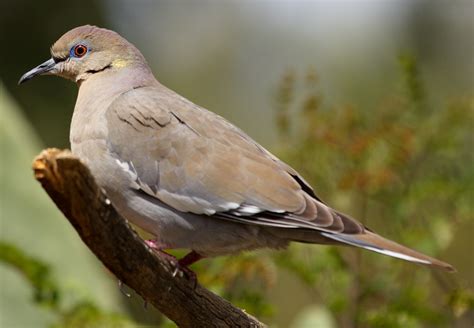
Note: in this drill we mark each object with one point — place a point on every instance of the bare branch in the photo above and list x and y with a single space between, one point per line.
71 186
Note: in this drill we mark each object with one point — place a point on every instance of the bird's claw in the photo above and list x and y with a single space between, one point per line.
185 271
181 266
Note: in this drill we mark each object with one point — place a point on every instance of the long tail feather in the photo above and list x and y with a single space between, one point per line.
373 242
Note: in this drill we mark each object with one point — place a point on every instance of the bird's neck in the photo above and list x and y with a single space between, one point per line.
106 85
96 94
116 80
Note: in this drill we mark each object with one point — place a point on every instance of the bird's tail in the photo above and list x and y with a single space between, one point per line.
373 242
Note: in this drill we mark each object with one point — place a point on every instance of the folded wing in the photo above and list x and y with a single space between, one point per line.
195 161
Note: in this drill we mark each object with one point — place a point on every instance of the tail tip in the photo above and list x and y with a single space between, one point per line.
446 267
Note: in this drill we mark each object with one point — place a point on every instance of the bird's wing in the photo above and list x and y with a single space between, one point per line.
195 161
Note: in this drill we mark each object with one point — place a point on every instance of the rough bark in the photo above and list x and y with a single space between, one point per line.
108 235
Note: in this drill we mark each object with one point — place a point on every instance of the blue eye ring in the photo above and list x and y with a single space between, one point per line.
78 51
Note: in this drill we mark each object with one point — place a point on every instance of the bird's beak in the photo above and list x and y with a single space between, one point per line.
44 68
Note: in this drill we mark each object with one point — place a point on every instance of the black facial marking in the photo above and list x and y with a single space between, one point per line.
93 71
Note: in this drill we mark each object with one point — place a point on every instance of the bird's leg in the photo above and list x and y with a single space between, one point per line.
190 258
181 264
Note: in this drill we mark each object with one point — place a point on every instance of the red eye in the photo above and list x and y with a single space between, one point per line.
80 50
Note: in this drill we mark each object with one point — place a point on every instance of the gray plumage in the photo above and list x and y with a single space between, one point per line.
185 174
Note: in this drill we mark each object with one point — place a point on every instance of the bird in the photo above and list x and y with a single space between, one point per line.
184 174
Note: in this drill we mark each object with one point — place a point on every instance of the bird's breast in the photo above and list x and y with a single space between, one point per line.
88 134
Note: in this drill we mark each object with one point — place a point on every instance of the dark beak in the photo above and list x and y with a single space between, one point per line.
44 68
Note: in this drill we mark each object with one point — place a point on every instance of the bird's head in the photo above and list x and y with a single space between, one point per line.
85 51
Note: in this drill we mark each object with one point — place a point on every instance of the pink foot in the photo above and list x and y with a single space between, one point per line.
153 244
157 247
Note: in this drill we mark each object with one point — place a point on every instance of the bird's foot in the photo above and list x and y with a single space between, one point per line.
183 264
159 248
154 244
190 274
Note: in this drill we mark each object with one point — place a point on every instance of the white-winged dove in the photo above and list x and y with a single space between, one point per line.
183 173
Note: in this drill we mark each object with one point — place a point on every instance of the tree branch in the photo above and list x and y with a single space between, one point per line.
71 186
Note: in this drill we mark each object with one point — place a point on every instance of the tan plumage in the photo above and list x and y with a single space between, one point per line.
186 174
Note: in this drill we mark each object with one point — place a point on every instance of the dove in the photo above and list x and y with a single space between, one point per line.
185 174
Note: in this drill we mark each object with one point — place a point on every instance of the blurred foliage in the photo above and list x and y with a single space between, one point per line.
36 273
403 168
47 293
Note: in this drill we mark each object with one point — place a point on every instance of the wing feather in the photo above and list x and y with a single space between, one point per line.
195 161
198 162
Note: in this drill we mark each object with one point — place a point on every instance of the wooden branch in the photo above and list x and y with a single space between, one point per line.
71 186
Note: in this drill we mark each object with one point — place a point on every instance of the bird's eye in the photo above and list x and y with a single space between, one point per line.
79 51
